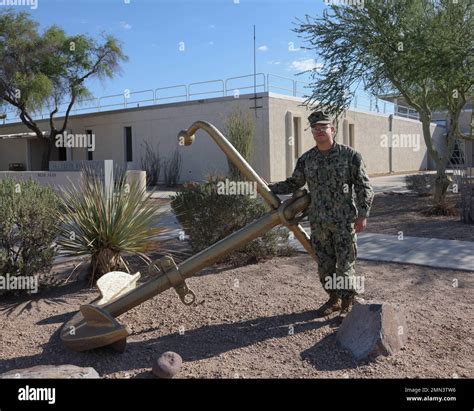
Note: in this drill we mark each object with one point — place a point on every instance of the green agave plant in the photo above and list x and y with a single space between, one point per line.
107 225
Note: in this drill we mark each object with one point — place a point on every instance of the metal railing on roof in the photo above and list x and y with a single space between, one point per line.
221 87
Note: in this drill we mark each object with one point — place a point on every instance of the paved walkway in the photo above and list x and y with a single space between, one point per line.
431 252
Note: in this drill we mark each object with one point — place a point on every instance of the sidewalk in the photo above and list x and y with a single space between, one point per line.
431 252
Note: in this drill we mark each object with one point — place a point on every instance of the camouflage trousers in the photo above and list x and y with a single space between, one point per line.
335 245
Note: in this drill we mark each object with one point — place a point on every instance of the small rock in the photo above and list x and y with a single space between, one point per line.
168 365
52 371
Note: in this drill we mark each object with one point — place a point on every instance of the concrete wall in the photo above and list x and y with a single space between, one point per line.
368 131
12 151
372 136
289 135
55 180
62 179
136 177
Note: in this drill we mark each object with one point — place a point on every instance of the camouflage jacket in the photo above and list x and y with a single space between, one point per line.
337 181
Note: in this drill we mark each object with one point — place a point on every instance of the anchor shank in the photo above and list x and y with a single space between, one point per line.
210 255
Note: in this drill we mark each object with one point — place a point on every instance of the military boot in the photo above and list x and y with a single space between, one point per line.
346 307
331 305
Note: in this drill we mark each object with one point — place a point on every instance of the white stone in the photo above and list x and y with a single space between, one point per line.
115 284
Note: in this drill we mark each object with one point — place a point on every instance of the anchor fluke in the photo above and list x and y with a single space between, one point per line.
93 327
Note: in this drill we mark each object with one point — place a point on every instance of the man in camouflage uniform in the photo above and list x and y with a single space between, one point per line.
336 176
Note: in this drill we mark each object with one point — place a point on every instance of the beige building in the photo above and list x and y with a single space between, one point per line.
463 154
281 136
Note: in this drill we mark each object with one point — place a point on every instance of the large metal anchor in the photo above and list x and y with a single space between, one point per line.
94 325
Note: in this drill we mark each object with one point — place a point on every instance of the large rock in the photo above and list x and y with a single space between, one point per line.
168 365
52 371
372 329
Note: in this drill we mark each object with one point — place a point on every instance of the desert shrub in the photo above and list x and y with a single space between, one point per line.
172 169
151 163
207 217
28 228
422 184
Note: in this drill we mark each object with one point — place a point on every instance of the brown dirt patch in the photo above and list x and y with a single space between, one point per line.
392 213
241 326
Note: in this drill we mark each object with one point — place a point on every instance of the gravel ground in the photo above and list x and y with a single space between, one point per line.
257 321
392 213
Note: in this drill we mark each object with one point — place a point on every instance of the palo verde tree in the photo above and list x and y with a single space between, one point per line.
419 49
42 71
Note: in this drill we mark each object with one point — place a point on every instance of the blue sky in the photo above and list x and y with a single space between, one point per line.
217 36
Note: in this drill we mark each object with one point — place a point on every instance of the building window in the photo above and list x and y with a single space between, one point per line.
352 135
62 154
128 144
89 152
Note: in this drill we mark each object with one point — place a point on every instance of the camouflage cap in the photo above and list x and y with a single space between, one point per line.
319 117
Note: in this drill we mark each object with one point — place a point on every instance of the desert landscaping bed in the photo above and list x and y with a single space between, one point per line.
257 321
392 213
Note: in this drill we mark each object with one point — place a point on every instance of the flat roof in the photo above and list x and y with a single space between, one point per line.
154 106
185 103
398 99
19 135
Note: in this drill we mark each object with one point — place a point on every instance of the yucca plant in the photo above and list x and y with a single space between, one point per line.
107 225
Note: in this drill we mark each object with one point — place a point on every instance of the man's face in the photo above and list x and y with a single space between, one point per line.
322 133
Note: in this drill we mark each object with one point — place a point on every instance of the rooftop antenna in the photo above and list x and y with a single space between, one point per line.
255 98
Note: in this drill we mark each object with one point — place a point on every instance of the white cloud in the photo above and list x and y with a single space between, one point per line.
211 43
305 64
125 25
274 62
263 48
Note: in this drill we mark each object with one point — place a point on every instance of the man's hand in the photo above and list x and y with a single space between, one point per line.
360 223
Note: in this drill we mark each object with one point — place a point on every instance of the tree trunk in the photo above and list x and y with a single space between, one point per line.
48 144
442 182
